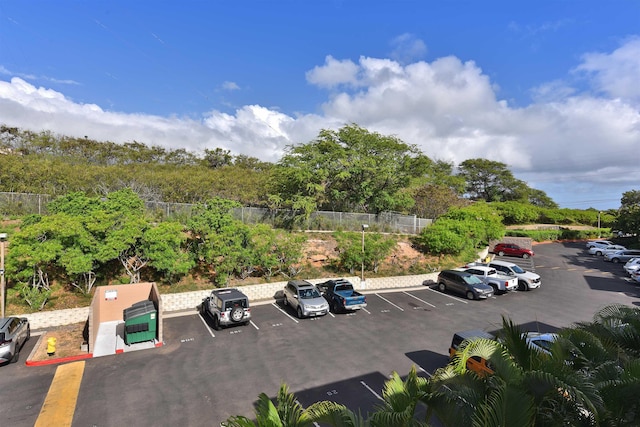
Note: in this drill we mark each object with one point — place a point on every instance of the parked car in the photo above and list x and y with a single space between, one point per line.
476 364
489 276
632 265
540 341
527 280
14 332
305 299
463 283
635 275
621 256
598 243
226 307
512 249
341 295
601 250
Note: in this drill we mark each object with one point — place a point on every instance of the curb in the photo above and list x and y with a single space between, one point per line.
58 360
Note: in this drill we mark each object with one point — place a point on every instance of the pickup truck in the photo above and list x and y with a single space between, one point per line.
489 276
341 295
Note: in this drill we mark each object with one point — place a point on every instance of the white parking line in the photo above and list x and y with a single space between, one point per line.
284 312
206 326
383 298
449 296
371 390
365 310
413 296
254 325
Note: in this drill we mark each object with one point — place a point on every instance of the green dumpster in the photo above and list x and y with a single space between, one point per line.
140 322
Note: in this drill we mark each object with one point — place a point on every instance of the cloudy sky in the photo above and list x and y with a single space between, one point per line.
551 88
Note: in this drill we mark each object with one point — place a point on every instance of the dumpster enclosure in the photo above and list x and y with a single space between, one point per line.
140 301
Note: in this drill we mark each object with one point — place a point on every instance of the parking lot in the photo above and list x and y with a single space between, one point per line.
201 376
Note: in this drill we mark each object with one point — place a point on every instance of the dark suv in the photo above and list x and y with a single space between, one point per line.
14 332
464 283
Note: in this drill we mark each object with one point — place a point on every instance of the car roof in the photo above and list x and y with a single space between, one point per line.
230 293
503 263
458 272
475 333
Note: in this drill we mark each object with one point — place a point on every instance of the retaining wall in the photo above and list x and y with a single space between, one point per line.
264 292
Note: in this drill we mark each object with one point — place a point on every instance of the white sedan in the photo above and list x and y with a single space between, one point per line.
632 266
596 250
599 243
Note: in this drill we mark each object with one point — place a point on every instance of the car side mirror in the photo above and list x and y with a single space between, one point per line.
296 296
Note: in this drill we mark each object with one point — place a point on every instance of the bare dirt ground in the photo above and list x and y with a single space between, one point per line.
69 339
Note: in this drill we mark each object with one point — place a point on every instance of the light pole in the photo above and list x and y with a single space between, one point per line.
3 237
599 224
364 227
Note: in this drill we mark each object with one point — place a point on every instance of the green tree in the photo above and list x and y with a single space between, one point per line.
350 169
221 242
432 201
165 246
376 248
629 212
492 181
462 229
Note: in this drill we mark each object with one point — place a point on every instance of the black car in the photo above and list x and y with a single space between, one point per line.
463 283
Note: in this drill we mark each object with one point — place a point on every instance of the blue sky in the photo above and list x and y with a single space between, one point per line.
551 88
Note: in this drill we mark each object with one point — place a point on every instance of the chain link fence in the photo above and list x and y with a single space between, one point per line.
26 203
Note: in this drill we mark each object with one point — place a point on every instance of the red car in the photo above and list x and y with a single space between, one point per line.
511 249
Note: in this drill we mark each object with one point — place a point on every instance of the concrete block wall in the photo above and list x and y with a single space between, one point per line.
264 292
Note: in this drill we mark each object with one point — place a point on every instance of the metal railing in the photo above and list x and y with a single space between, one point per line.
27 203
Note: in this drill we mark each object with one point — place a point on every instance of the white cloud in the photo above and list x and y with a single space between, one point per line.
616 74
230 86
568 143
333 73
407 48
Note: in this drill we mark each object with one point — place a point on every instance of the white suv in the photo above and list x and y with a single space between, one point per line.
526 279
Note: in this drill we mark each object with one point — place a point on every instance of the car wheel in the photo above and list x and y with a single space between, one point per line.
501 253
16 355
237 314
525 256
442 287
285 302
299 313
470 295
216 323
599 253
28 333
333 306
495 289
615 260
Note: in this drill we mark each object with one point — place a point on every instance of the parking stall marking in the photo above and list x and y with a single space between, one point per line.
254 325
449 296
365 310
422 301
371 390
284 312
384 299
206 326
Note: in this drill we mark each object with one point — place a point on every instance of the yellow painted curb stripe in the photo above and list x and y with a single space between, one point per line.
60 403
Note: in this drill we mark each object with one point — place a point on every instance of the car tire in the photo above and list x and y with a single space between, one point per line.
525 256
28 333
599 253
470 295
299 311
16 355
333 307
285 302
501 253
615 260
236 314
216 323
496 291
442 287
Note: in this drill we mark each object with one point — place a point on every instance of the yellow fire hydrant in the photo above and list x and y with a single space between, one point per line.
51 346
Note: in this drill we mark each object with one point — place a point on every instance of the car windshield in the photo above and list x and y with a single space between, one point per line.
472 280
517 269
309 293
